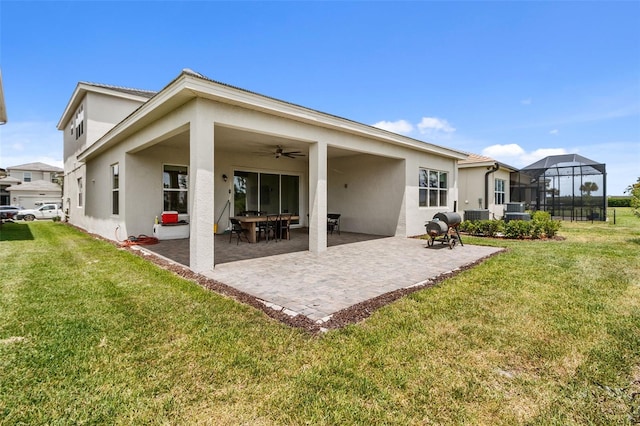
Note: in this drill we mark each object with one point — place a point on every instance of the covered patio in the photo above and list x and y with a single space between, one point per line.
225 251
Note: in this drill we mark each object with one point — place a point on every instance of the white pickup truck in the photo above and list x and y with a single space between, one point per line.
46 211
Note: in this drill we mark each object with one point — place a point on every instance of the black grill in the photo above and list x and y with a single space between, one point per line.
444 228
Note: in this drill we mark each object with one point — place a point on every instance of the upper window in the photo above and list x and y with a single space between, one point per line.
115 189
78 124
26 177
499 191
175 182
433 187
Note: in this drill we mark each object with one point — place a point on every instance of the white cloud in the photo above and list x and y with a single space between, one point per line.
28 142
434 124
554 132
399 126
513 154
501 151
527 101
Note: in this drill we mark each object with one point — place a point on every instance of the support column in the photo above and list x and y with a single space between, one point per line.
318 197
201 190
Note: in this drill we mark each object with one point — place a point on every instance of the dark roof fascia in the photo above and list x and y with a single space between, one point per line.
189 84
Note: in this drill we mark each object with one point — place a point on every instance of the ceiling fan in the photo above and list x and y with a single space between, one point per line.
279 151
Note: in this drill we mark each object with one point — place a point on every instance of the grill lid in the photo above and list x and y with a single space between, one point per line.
450 218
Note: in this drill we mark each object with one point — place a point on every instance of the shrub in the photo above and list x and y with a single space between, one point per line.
619 202
543 226
517 229
540 226
469 227
489 228
482 228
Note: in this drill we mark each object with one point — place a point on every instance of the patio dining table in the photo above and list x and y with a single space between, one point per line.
250 223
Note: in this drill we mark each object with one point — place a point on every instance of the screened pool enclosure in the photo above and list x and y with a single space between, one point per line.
570 187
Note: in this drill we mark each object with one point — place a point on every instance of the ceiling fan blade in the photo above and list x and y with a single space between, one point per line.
292 154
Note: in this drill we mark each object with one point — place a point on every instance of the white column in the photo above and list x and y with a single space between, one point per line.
318 197
201 144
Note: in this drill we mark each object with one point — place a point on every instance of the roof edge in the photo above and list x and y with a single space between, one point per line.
235 95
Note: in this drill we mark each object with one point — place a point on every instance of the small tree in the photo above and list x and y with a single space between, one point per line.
634 190
588 188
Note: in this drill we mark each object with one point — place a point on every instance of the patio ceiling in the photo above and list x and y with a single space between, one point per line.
244 141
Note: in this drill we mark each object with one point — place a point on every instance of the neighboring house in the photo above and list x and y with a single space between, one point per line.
198 144
28 185
6 182
483 185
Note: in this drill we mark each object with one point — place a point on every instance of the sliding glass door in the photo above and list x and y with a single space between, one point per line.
290 194
268 192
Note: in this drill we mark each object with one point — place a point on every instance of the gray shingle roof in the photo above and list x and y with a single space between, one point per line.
39 167
36 185
127 90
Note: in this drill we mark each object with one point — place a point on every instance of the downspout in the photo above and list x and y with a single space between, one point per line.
495 167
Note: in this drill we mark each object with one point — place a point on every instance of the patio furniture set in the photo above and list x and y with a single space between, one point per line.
255 225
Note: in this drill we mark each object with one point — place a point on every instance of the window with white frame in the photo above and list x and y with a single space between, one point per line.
175 183
115 189
433 188
499 191
78 124
26 176
80 192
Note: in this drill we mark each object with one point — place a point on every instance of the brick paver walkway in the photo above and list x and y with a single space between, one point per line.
318 285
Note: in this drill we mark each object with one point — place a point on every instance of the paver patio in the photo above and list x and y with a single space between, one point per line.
319 284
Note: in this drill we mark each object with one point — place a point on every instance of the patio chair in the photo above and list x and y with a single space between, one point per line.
333 222
271 227
261 226
284 226
238 230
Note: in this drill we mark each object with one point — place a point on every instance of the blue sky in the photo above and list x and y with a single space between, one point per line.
512 80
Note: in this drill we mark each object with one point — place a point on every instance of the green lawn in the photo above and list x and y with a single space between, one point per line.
547 332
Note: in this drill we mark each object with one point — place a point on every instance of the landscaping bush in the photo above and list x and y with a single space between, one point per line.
619 202
540 226
490 228
517 229
468 226
482 228
543 226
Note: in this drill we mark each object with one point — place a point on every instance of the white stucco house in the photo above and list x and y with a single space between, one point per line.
199 147
484 185
29 185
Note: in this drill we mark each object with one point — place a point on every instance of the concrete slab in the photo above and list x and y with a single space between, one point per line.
319 284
